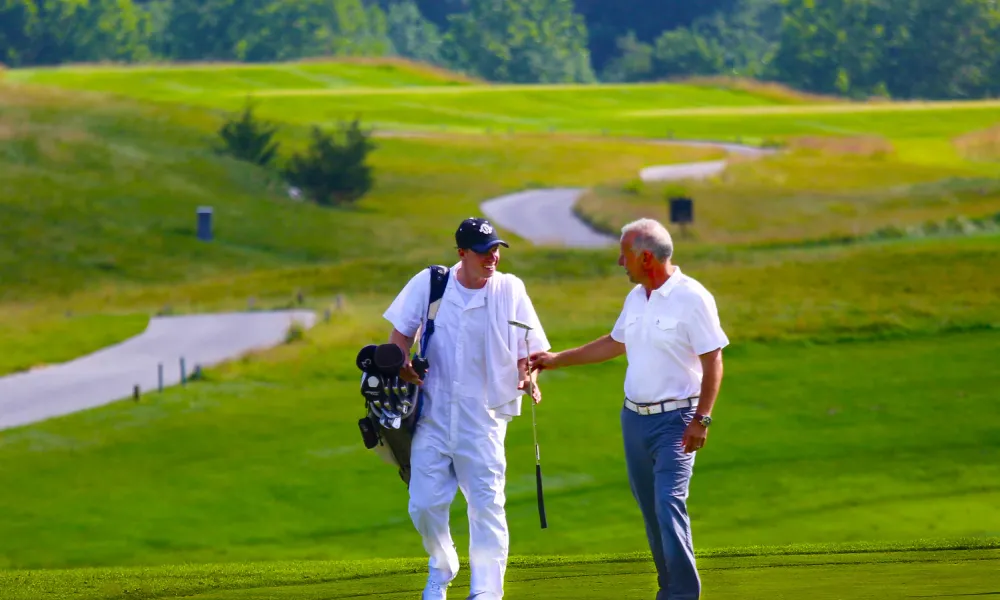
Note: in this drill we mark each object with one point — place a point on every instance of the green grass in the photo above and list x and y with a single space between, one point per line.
106 192
857 407
263 460
801 196
183 80
34 339
393 98
879 571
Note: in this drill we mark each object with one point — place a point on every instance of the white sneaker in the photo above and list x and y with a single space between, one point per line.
435 591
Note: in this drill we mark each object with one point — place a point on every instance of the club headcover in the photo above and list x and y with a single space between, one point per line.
389 358
366 358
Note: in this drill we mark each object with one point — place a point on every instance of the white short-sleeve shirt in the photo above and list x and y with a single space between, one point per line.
664 337
457 355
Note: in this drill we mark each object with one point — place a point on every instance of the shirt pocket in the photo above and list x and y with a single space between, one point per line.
666 332
631 328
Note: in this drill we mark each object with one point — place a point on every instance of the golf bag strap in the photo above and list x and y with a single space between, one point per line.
439 282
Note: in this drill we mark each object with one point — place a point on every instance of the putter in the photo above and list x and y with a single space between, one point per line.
534 428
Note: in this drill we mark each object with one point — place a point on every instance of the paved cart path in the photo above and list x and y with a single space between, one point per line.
110 374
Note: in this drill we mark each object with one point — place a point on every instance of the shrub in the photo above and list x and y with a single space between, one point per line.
249 139
296 332
334 171
634 187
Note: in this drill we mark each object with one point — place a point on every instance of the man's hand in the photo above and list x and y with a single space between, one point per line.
694 437
529 382
408 374
543 360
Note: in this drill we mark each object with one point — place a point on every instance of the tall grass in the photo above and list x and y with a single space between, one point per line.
824 188
765 89
868 146
980 145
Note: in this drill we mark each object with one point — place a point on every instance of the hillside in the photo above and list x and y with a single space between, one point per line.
706 108
103 191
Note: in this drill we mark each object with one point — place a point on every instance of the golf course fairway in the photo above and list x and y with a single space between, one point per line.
884 572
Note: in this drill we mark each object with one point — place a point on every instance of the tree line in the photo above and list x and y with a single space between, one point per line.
856 48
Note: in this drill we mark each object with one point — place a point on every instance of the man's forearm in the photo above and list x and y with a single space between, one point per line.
711 381
404 343
602 349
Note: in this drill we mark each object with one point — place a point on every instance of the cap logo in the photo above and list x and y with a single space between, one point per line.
486 228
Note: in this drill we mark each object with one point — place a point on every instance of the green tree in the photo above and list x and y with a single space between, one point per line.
684 52
19 28
411 34
269 30
906 48
522 41
47 32
334 170
248 138
634 61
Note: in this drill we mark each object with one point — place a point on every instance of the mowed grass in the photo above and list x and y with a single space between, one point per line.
178 81
36 338
815 443
875 572
325 92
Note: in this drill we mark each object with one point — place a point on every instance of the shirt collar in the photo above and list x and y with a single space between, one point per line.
671 283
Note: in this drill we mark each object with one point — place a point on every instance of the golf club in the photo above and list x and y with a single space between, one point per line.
534 428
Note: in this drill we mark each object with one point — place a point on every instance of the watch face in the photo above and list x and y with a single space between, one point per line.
706 420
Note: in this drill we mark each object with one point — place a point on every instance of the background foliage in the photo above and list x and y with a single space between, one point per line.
855 48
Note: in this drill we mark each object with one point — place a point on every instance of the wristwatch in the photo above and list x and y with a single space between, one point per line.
705 420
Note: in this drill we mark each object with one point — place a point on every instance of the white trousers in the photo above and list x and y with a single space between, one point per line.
474 462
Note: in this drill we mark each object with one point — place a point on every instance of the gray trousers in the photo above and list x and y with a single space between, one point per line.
659 473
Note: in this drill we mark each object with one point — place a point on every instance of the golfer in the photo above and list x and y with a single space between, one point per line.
473 388
670 332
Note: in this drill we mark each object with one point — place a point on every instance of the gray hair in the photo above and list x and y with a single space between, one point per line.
650 235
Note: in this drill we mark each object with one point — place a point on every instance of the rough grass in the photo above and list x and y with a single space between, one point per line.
867 146
765 89
980 145
102 192
823 189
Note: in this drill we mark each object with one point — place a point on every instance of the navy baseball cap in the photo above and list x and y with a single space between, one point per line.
477 235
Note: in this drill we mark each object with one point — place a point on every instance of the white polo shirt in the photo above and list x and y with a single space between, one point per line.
664 336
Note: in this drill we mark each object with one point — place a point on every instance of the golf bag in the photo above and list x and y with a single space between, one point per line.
393 405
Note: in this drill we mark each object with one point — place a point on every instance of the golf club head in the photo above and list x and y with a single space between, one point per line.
520 324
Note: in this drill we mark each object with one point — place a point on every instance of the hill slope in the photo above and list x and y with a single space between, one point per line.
407 99
99 191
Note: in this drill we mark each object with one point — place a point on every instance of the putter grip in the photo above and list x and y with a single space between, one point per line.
541 496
